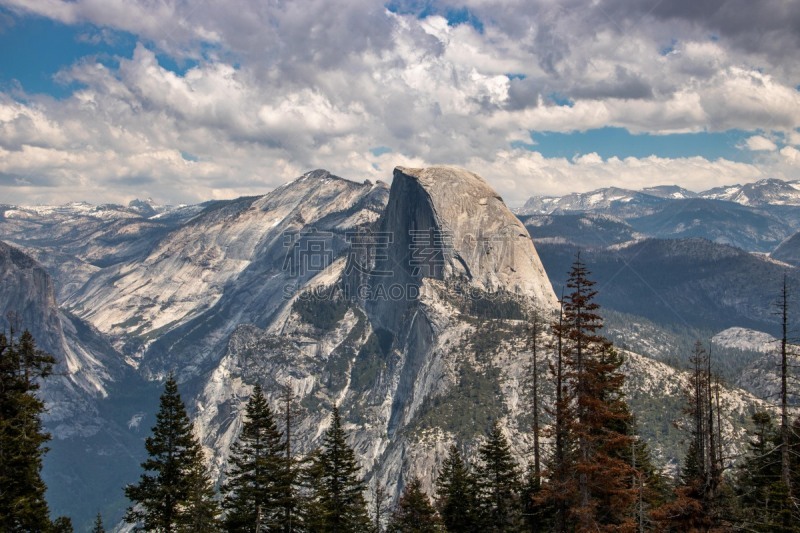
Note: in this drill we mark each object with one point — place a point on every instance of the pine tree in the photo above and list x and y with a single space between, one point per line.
62 524
98 524
762 496
337 498
200 511
414 513
172 487
255 483
379 503
456 495
592 472
498 483
22 436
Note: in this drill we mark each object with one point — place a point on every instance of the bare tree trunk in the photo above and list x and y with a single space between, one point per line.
535 325
561 521
785 466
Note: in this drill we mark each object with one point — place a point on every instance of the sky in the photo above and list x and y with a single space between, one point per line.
190 100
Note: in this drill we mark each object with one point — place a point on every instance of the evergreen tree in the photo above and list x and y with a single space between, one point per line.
456 495
172 487
593 473
763 499
62 524
337 499
256 480
498 483
311 511
200 511
414 513
22 437
98 524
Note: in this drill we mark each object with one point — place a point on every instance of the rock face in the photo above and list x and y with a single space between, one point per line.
446 223
395 362
176 307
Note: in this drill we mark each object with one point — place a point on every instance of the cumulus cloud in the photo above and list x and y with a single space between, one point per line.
277 88
757 143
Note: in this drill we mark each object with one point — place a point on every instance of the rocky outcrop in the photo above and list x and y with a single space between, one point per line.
447 224
232 264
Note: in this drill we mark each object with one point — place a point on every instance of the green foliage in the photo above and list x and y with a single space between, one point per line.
457 495
498 483
414 512
174 487
764 503
323 311
468 409
371 359
22 437
259 475
62 524
98 524
335 502
496 306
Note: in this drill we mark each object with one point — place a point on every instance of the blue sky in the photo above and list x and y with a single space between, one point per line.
120 99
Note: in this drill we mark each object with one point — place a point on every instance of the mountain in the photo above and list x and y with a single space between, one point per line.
412 375
717 221
404 306
672 192
760 193
76 240
689 282
788 251
755 216
611 200
175 307
587 230
766 192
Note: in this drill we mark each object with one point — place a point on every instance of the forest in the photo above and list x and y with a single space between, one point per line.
588 471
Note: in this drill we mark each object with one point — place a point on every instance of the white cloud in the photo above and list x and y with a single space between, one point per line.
757 143
290 86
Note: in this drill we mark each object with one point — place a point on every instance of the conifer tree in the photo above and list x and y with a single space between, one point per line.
98 524
256 480
171 488
555 497
337 498
22 436
498 483
414 513
62 524
200 511
592 473
456 495
763 500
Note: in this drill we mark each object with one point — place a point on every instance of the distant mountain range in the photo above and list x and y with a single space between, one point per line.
765 192
756 217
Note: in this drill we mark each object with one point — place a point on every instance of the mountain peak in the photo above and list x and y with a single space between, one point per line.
480 238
